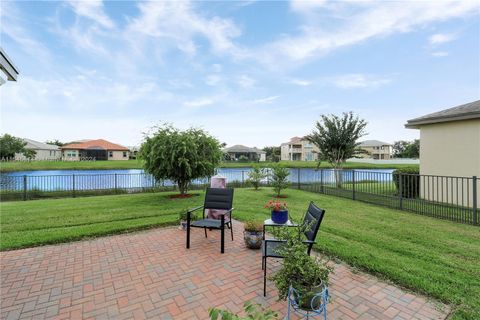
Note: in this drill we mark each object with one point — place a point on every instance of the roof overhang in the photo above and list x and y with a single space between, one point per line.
416 124
7 66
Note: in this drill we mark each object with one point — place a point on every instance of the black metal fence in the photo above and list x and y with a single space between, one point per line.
444 197
452 198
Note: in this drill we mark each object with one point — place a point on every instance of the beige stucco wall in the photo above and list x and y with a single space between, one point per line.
42 155
118 155
450 149
66 155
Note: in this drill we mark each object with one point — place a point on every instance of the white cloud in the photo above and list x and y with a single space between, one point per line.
92 9
440 38
354 23
213 79
357 80
178 22
12 25
300 82
201 102
245 81
306 6
439 54
266 100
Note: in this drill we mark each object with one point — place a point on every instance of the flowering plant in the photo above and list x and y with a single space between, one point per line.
276 205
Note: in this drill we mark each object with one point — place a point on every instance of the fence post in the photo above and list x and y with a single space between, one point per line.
353 184
73 185
400 190
298 178
321 181
243 178
115 183
24 188
475 210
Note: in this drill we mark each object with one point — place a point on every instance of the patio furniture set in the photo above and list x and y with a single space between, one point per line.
220 201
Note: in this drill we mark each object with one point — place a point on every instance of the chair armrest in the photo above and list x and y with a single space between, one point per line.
273 240
309 242
194 209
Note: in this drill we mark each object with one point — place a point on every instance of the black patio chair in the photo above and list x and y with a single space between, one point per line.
311 221
217 199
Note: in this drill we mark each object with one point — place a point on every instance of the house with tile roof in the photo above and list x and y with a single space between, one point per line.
298 149
43 151
98 149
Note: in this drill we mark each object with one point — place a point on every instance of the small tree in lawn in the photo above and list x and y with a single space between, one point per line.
256 176
180 156
337 139
279 176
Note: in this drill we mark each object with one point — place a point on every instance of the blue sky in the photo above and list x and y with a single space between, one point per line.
251 72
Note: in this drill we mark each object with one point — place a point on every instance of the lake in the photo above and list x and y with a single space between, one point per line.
50 180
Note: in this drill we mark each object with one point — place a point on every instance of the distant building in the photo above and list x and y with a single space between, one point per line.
376 149
251 154
299 149
94 149
133 151
42 150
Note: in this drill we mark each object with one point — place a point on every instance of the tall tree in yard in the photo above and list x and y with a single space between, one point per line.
180 156
337 139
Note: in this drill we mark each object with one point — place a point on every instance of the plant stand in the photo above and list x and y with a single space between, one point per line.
318 304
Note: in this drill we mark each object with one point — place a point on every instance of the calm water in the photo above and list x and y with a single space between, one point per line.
50 180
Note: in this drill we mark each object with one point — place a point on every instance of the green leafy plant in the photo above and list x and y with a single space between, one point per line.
182 216
256 176
279 176
253 226
10 145
252 311
243 158
180 156
303 272
409 186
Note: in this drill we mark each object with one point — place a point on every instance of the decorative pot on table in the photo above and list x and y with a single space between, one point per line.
280 217
253 239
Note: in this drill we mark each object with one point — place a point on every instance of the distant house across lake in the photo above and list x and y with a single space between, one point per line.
376 149
43 151
94 149
239 152
298 149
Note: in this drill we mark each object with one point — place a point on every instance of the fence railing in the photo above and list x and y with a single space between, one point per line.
452 198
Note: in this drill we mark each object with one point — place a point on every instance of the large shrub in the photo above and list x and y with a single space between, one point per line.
410 181
180 156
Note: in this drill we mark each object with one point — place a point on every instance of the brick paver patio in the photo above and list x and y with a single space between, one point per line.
150 274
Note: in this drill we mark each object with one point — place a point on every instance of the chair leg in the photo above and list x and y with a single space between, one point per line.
231 228
265 278
205 229
222 235
188 231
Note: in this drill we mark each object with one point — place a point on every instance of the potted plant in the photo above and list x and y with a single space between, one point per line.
279 211
302 279
252 311
253 234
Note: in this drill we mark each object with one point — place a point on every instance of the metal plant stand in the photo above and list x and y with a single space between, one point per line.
318 304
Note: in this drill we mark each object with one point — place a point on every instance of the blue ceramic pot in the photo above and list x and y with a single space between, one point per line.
280 217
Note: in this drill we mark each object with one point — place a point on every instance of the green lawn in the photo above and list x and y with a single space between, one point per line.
434 257
137 164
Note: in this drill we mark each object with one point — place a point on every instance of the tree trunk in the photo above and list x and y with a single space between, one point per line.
182 187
